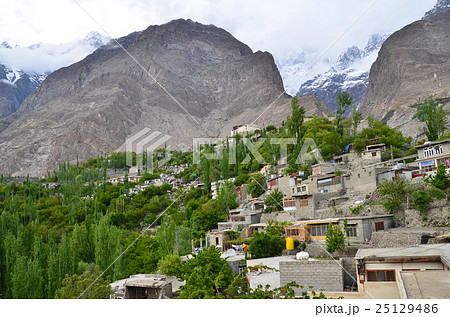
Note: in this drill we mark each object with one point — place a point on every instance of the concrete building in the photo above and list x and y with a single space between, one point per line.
243 129
142 286
432 154
405 272
360 228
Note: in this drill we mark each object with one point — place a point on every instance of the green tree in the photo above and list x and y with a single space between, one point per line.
171 265
241 179
264 245
274 201
227 197
294 122
207 275
257 186
82 286
343 102
334 238
356 119
435 118
393 193
440 179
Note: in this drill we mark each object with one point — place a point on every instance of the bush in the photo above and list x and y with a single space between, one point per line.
393 193
264 245
440 179
421 200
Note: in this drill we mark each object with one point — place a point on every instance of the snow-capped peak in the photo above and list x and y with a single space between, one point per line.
5 44
440 7
349 73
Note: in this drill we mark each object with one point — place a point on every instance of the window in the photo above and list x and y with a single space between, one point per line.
370 174
217 240
303 201
374 153
379 226
289 202
438 149
359 175
351 229
320 229
381 276
429 151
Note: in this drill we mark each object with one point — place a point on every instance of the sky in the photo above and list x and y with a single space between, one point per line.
284 28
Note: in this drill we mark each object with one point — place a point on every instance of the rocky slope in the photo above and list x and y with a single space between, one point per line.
413 63
15 86
91 107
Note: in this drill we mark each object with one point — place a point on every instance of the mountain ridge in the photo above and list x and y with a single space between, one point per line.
94 105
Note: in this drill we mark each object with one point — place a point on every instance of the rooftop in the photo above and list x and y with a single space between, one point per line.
423 250
426 284
432 143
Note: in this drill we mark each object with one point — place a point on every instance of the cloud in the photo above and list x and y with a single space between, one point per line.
43 57
280 27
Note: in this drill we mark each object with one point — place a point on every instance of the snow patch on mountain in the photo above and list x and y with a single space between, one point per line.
350 72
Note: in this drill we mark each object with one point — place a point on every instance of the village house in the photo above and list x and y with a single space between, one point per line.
142 286
243 129
416 272
432 154
359 228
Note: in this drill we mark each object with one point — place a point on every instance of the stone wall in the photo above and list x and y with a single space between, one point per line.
349 272
394 238
438 215
326 275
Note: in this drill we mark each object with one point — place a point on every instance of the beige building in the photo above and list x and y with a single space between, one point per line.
406 272
432 154
360 228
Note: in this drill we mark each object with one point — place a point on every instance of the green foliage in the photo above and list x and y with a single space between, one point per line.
294 123
241 179
421 200
334 238
76 285
264 245
257 186
206 218
356 210
207 275
171 265
274 201
440 179
227 198
435 118
356 119
393 193
343 102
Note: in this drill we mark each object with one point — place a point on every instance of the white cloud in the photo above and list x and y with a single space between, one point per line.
278 27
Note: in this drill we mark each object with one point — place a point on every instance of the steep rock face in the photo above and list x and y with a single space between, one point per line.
19 77
413 63
184 79
14 88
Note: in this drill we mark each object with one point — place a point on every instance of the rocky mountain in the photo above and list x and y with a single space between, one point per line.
440 7
413 64
182 79
15 86
349 73
23 69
